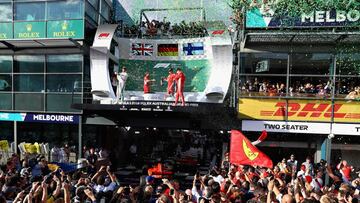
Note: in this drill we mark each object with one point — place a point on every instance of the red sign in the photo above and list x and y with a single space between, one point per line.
104 35
218 32
314 110
299 110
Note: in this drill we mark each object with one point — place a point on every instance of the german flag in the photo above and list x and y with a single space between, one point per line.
168 50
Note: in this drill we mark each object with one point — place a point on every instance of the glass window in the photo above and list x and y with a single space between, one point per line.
5 64
29 83
105 10
319 87
62 102
347 87
64 63
311 63
7 131
5 82
5 101
92 13
29 64
63 83
95 3
29 102
272 63
348 64
30 11
102 20
59 10
262 86
5 12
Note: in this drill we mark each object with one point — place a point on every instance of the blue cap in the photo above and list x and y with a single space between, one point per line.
149 179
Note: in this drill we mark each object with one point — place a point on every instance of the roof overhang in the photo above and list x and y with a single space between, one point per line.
300 37
15 44
219 117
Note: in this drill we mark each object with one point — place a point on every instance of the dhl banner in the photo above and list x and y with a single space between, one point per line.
299 110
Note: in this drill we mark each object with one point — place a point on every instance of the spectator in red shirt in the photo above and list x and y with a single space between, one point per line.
345 170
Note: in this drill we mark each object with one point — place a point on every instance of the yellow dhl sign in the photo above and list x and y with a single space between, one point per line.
299 110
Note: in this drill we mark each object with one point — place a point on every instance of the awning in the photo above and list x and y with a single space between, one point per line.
35 43
301 37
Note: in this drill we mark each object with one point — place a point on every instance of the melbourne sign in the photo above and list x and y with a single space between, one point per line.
41 118
299 110
256 18
65 29
52 118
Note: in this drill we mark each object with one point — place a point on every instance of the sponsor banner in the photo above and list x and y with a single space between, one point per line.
6 31
42 118
104 35
299 110
345 129
29 30
195 48
217 32
286 127
65 29
263 17
168 49
217 29
12 116
153 106
142 49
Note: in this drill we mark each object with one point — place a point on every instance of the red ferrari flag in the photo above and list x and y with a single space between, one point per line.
244 153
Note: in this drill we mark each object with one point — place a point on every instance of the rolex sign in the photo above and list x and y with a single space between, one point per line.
65 29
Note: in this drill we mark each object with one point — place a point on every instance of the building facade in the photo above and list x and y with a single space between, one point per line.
44 67
300 82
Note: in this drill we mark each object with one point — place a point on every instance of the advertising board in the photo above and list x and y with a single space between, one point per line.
299 110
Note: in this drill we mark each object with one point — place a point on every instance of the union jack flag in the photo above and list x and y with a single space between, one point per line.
140 49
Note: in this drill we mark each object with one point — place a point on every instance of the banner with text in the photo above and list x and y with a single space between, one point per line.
346 129
29 30
265 16
299 110
6 30
41 118
286 127
65 29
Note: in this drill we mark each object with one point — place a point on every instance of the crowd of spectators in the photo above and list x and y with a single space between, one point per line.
35 180
164 28
309 89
